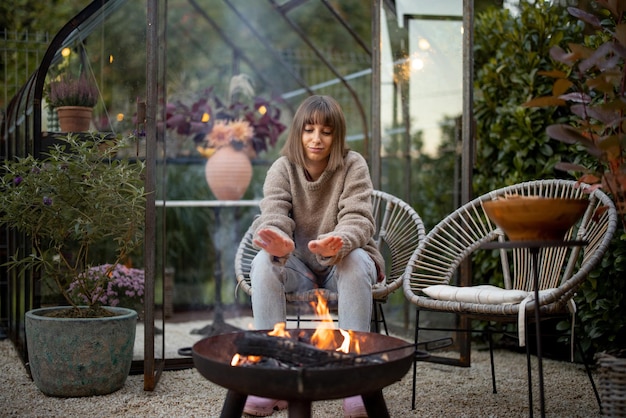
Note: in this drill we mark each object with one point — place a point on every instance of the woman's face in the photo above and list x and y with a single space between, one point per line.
317 140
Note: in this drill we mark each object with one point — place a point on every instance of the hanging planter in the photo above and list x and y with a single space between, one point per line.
228 173
74 118
74 99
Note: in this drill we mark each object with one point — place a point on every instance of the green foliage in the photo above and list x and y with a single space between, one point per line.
77 196
600 301
512 146
29 25
509 51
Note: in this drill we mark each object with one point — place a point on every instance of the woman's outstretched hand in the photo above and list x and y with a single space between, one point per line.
326 247
274 243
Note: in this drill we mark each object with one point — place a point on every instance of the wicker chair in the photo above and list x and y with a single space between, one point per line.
560 269
399 229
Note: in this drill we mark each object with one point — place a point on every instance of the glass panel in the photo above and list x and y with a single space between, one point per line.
285 55
421 104
114 60
421 108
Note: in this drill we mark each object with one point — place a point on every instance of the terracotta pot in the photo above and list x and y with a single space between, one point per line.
228 173
74 118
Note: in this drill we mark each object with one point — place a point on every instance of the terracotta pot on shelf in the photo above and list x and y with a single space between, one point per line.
74 118
228 173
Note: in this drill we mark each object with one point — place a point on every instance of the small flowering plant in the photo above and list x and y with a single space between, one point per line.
237 134
68 90
110 285
76 197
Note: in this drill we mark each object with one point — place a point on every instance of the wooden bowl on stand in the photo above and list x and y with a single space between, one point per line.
535 218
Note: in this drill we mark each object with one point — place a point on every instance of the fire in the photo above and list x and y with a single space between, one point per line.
239 360
323 337
279 331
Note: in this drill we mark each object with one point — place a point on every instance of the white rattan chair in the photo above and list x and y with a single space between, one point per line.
399 229
561 270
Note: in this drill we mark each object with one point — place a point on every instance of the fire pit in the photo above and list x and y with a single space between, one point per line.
302 385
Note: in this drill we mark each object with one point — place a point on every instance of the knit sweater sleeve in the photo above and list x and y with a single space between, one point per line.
355 223
276 205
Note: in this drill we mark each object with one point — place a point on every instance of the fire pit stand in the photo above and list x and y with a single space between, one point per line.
304 385
235 402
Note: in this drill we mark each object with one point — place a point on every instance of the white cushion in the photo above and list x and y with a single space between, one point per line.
475 294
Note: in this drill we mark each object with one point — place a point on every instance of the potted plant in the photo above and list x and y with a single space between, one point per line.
227 133
74 99
591 82
75 198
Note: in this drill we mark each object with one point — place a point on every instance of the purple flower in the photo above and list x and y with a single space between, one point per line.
117 286
17 180
47 201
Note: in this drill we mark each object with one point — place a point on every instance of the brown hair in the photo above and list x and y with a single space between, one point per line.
317 110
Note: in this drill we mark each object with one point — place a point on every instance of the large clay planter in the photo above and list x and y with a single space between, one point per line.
74 118
228 173
73 357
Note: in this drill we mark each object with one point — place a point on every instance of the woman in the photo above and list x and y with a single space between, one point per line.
315 230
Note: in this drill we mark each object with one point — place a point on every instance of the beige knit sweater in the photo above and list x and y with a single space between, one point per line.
338 203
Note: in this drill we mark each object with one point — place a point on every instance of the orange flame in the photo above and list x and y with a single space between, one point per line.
323 337
239 360
279 330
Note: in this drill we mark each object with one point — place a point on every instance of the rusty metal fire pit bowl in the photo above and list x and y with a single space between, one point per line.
302 385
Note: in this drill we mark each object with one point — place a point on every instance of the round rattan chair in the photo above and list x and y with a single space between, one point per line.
561 270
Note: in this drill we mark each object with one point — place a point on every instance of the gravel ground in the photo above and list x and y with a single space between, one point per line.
443 391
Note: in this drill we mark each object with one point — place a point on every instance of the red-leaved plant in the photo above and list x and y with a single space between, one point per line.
593 85
208 110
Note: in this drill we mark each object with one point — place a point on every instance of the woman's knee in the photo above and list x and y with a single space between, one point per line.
358 263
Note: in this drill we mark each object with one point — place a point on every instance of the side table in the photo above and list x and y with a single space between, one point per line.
534 247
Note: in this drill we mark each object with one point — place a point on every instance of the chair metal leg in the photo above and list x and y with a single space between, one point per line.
417 321
493 370
588 370
382 319
375 319
529 371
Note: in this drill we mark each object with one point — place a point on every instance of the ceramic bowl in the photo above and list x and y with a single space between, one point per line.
534 218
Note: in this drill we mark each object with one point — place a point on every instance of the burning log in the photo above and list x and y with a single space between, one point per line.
293 352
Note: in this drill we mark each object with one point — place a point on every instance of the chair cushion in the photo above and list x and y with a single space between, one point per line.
475 294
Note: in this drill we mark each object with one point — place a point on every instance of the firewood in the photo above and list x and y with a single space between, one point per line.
288 350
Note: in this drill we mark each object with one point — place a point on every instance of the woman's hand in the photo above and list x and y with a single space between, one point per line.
326 247
274 243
